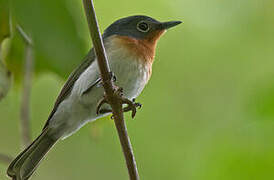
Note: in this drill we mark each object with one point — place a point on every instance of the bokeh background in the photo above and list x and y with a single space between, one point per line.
208 110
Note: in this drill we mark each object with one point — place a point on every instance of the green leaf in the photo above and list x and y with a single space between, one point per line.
57 46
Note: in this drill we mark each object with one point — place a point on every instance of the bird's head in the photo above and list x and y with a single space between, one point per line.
139 33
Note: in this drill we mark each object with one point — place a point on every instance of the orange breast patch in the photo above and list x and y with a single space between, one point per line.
144 49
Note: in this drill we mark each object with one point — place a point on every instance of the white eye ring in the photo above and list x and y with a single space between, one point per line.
143 26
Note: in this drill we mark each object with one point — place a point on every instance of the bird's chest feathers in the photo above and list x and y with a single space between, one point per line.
143 50
132 71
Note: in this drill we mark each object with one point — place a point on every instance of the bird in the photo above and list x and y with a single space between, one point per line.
130 45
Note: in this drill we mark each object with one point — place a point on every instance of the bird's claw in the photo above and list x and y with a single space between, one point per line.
100 104
131 105
118 92
138 105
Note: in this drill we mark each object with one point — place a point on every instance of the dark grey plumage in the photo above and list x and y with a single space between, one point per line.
127 27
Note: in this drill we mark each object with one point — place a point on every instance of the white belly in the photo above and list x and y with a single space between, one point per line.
131 75
78 109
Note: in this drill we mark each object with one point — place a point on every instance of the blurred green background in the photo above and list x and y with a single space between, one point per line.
208 110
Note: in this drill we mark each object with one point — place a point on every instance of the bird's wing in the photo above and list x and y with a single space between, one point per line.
70 82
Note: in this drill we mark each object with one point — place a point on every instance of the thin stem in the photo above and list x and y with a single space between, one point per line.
114 100
98 46
26 93
24 35
125 143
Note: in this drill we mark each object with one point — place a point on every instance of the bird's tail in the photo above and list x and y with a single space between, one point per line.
22 167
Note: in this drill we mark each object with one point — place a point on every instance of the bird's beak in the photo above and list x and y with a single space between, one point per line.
169 24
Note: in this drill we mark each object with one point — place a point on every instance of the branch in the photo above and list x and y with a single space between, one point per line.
5 158
113 100
25 103
24 35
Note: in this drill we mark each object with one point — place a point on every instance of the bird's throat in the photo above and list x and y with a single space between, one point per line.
143 49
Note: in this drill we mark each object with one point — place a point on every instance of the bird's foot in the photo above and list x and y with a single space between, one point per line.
131 105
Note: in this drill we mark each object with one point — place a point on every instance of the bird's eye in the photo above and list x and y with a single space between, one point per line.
143 26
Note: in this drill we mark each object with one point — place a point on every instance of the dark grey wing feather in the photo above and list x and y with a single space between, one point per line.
70 82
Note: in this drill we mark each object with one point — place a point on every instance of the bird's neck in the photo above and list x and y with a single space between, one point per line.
143 49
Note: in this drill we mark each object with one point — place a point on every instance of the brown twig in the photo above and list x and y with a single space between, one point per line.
25 103
112 98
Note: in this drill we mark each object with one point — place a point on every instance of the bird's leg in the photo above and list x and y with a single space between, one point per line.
118 92
104 100
131 105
